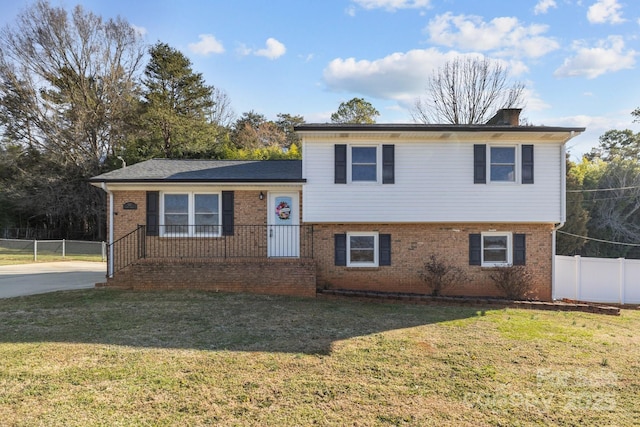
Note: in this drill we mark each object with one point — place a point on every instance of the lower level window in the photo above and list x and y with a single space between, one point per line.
496 249
362 249
190 214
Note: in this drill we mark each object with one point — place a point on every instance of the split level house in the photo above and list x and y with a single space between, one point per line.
364 209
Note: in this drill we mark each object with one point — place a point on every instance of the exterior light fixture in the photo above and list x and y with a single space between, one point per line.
261 196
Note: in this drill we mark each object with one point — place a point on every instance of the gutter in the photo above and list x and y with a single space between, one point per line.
111 217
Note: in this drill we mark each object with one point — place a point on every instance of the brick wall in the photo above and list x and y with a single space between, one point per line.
412 244
248 210
126 220
276 277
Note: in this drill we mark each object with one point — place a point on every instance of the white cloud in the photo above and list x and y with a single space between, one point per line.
207 44
142 31
503 35
399 76
607 56
605 11
393 5
543 6
273 50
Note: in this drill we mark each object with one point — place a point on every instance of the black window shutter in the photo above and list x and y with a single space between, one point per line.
340 241
227 213
153 212
479 164
527 164
519 249
388 164
384 249
475 249
340 167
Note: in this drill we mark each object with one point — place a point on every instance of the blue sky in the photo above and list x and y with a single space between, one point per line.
578 58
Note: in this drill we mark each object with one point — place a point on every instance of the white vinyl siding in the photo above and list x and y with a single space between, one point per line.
433 183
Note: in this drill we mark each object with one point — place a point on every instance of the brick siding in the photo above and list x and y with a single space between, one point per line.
411 246
275 277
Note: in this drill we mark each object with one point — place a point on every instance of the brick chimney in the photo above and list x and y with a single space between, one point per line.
506 116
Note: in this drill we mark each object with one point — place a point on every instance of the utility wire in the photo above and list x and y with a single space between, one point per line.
599 240
604 189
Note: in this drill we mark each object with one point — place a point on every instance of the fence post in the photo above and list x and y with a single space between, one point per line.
35 250
104 250
578 284
63 248
621 284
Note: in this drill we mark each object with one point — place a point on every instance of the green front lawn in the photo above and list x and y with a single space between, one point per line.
105 357
22 258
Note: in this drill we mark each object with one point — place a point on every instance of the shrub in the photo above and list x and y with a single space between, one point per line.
438 275
515 281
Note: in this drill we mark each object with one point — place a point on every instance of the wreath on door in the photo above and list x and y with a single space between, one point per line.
283 210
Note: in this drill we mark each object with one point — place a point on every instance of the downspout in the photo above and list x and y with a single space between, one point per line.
111 216
563 212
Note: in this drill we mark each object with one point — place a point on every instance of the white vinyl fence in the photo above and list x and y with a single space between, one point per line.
597 279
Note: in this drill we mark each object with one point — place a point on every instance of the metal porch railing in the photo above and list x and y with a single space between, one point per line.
201 242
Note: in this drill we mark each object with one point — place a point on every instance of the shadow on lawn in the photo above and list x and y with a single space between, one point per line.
206 321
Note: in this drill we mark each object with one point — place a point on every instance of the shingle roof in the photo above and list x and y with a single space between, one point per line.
171 170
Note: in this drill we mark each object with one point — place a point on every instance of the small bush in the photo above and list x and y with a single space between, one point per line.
438 275
515 281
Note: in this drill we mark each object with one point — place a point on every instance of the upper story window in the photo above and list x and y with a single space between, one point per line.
503 164
190 214
364 164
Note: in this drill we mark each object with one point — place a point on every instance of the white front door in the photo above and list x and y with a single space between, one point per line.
283 229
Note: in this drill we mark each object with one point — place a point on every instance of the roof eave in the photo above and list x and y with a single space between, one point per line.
194 180
331 127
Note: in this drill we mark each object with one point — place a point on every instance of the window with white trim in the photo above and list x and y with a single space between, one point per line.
364 163
190 214
496 249
502 164
362 249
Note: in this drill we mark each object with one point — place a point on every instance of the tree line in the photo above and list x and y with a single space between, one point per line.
603 199
77 100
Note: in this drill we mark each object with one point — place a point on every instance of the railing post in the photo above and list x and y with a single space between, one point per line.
63 248
35 250
142 241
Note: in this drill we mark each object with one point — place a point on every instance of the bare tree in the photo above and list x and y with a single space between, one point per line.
221 113
68 82
467 90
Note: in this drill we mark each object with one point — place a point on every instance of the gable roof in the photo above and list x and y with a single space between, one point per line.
173 170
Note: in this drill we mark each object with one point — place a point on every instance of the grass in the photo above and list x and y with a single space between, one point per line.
22 258
106 357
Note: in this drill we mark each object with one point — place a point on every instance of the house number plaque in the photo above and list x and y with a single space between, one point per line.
130 206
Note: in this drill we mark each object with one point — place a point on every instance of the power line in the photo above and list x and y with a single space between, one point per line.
604 189
599 240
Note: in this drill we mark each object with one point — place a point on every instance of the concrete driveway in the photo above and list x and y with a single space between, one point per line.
38 278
